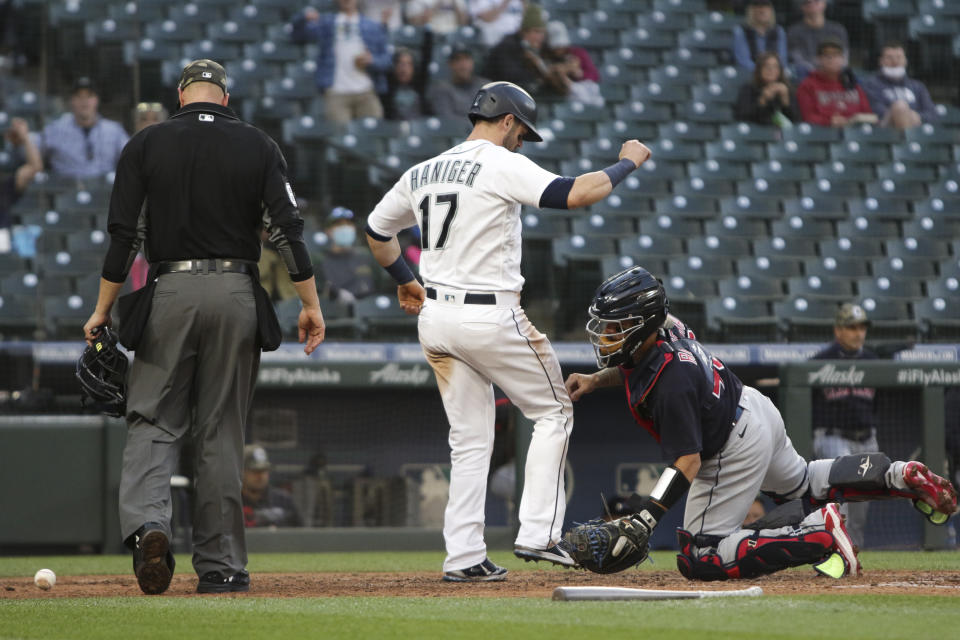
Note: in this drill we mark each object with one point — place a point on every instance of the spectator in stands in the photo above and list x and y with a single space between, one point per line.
82 143
899 101
844 422
758 34
767 99
406 97
348 272
805 36
352 61
13 185
830 96
452 98
578 74
496 19
146 114
264 505
389 13
443 17
273 271
518 58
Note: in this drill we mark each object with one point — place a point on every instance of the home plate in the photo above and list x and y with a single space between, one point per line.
625 593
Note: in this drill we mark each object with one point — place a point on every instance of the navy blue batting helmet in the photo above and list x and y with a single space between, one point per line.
496 99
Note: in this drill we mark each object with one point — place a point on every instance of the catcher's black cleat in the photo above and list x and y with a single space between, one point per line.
214 582
486 571
152 560
558 553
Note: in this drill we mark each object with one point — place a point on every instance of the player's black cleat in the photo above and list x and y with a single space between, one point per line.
486 571
558 553
214 582
152 560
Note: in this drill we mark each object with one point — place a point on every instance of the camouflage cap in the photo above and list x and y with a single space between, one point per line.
850 314
203 71
255 458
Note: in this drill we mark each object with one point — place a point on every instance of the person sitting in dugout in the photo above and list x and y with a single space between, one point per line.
726 441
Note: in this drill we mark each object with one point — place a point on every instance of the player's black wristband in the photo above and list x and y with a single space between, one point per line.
617 172
400 271
671 486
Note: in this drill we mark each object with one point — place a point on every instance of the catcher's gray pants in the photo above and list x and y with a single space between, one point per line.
193 376
831 446
757 456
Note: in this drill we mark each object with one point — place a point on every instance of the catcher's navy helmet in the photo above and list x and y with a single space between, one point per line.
626 309
102 372
496 99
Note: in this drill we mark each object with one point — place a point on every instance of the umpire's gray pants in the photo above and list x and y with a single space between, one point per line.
193 376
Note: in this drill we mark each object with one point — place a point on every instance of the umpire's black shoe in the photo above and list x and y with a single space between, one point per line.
152 561
214 582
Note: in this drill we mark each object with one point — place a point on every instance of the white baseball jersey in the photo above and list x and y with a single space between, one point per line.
466 202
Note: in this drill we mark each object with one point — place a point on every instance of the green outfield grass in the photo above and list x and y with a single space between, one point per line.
843 617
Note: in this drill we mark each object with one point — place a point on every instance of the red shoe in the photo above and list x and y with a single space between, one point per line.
935 492
843 545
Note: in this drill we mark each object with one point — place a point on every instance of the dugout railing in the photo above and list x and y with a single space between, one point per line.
925 381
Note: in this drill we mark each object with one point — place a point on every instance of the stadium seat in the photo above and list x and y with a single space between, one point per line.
823 187
864 227
615 264
917 247
828 266
381 318
882 287
718 42
706 112
686 131
234 32
710 187
777 246
686 206
810 287
202 13
212 49
752 287
749 132
582 248
852 247
943 287
839 171
174 31
764 188
806 319
735 319
640 111
727 245
871 134
715 92
931 227
889 319
647 38
949 188
895 189
64 315
700 266
889 18
19 316
853 152
825 207
881 208
765 208
920 153
728 228
780 267
775 170
805 133
712 169
597 225
792 227
899 267
731 150
939 318
942 207
688 296
651 245
793 151
668 225
627 204
544 224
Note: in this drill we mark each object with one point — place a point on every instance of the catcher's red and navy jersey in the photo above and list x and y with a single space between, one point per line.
684 396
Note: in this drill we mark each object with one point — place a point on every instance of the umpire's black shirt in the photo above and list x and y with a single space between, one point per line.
210 181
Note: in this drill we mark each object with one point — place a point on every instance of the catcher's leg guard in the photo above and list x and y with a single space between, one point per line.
756 555
788 514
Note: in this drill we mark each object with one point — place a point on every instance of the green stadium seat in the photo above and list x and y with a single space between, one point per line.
806 319
724 244
897 266
735 319
930 227
825 188
64 315
579 248
943 287
889 319
619 131
907 172
719 42
235 32
749 132
544 224
920 153
774 170
881 208
853 152
63 264
688 296
814 287
939 318
836 267
889 188
793 151
658 92
597 225
826 207
756 287
687 206
640 111
762 266
647 38
706 112
942 207
889 18
381 318
883 287
852 247
615 264
761 187
872 134
776 246
697 186
864 227
947 189
19 316
687 131
792 227
765 208
211 49
700 266
731 150
202 13
729 227
667 225
839 171
714 170
651 245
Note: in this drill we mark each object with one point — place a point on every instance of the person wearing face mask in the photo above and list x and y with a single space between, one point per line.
349 273
899 101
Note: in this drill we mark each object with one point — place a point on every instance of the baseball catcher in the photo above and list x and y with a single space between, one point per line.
726 442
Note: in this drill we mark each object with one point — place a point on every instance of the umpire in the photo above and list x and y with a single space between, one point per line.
210 181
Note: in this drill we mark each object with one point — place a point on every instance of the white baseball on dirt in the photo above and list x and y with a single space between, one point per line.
45 579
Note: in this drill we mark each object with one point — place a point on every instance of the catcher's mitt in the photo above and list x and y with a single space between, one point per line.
609 547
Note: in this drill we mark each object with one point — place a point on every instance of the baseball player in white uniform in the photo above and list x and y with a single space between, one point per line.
467 202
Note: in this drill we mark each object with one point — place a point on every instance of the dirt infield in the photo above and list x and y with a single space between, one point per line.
519 584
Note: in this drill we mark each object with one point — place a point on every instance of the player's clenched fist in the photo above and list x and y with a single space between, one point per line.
578 385
636 151
411 296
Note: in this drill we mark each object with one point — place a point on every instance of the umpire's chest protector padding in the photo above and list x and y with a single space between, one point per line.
861 471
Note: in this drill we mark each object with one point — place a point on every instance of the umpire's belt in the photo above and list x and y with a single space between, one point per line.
458 296
206 265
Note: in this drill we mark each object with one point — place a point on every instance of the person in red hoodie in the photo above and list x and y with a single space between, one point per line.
830 96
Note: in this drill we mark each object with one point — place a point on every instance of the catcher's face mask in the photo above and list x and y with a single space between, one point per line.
102 373
613 340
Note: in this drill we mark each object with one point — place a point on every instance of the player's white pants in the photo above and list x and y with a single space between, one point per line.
757 456
832 446
469 347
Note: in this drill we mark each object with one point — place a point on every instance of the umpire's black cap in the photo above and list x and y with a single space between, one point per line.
203 71
495 99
